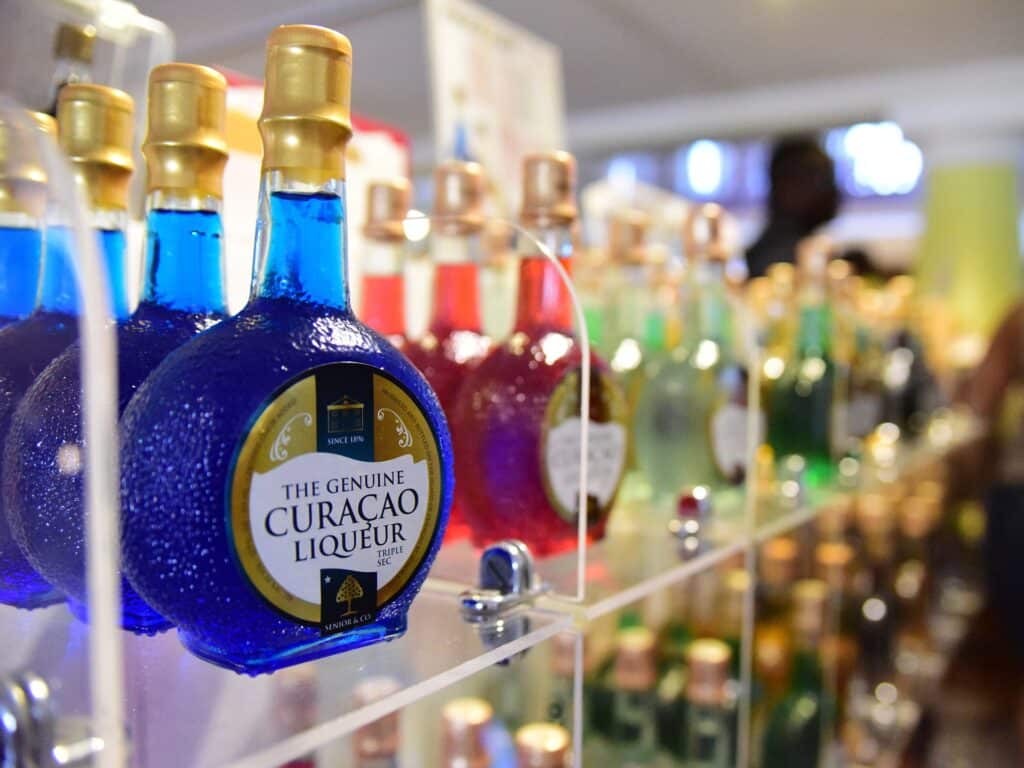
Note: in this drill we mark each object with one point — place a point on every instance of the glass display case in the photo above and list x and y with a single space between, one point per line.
771 611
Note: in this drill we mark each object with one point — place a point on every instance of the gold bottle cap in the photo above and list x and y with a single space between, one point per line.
542 745
462 737
387 205
835 517
782 276
75 42
812 257
22 168
563 654
759 294
778 561
635 660
833 561
459 190
918 516
306 119
809 599
94 124
627 237
380 738
549 190
841 281
874 514
771 654
708 233
186 147
708 661
735 586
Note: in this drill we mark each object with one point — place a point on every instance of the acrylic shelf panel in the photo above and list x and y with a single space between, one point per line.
183 711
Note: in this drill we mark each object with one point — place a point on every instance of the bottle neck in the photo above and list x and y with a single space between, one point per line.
21 248
58 287
806 674
713 315
545 303
184 268
815 325
383 296
456 284
301 245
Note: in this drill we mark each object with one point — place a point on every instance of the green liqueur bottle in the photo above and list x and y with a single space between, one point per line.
800 402
710 713
634 708
793 737
691 422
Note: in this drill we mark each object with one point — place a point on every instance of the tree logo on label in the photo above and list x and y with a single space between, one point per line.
349 590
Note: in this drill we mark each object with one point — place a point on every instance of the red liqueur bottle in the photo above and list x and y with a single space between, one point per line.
383 298
454 343
517 423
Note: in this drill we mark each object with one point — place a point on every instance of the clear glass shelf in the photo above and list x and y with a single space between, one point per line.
183 711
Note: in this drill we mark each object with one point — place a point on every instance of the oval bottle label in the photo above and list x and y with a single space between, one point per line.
335 495
606 449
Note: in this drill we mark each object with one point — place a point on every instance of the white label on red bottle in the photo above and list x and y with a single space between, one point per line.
607 439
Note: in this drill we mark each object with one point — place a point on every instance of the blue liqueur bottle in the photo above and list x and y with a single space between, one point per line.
22 207
287 474
183 294
95 132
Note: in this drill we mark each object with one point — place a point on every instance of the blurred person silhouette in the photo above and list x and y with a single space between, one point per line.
803 195
996 467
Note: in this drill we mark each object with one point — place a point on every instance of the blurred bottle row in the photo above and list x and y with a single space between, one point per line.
218 411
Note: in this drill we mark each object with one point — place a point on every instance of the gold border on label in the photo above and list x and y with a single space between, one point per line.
300 398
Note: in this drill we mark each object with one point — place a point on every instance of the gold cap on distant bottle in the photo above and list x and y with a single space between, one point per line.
707 233
94 124
782 276
563 654
812 257
387 205
549 190
306 119
75 42
379 739
635 660
835 517
186 147
627 237
542 745
22 169
708 661
833 561
874 514
809 598
778 561
459 190
735 586
840 275
918 516
462 737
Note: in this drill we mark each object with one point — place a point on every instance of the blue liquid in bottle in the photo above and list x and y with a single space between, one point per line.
183 295
26 348
256 584
21 250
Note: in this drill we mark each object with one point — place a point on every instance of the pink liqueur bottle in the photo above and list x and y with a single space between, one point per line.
383 299
454 343
517 423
